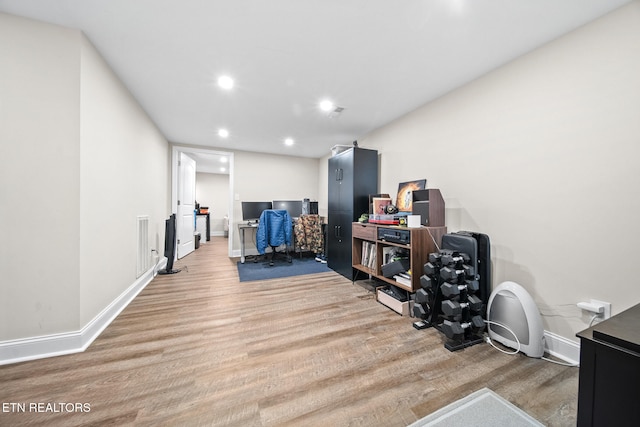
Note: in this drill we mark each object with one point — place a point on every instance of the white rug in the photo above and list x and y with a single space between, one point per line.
479 409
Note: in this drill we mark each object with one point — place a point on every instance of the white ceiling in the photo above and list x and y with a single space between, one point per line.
379 59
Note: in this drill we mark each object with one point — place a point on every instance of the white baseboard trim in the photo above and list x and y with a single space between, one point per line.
562 348
22 350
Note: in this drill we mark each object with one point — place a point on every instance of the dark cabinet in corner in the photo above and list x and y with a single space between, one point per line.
610 371
353 176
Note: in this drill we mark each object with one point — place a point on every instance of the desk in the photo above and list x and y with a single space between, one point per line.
241 228
244 226
610 371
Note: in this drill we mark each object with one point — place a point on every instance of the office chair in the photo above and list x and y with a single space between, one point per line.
274 230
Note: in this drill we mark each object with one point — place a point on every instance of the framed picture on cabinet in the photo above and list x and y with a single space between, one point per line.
372 209
404 200
379 204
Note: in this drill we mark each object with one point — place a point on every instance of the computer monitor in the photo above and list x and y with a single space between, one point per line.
294 207
251 211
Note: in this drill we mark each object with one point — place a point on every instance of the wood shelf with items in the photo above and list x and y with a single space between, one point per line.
370 247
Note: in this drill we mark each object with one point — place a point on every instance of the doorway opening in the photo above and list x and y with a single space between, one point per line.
207 157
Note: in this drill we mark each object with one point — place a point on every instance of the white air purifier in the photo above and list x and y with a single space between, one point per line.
512 306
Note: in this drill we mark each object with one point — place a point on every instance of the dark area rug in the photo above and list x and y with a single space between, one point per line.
261 270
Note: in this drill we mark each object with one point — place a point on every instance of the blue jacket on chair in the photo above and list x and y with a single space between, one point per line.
274 229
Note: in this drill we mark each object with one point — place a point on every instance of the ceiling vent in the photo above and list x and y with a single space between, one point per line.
335 112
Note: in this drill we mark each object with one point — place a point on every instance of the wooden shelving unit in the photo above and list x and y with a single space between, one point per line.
420 246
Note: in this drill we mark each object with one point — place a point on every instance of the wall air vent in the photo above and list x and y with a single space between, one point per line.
144 253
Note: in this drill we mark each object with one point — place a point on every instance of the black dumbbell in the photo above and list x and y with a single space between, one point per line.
421 311
451 290
453 308
456 330
455 258
434 257
426 282
423 295
431 269
448 273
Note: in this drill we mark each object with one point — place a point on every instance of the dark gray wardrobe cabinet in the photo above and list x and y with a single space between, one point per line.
353 176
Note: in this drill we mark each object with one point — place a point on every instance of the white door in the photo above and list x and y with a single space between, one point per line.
186 205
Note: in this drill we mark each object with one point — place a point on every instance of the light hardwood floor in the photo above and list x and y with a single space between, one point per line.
201 348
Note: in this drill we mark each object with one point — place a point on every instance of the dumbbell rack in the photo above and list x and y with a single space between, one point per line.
447 299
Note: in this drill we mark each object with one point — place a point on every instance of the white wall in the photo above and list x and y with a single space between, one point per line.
40 148
212 190
323 186
81 162
541 155
124 174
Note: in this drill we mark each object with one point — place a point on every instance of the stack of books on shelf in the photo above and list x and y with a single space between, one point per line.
369 255
403 278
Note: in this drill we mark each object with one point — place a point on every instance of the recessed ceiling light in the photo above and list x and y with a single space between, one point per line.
223 169
225 82
288 141
326 105
223 160
223 133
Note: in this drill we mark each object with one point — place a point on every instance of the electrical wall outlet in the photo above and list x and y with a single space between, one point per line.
600 308
607 308
590 306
